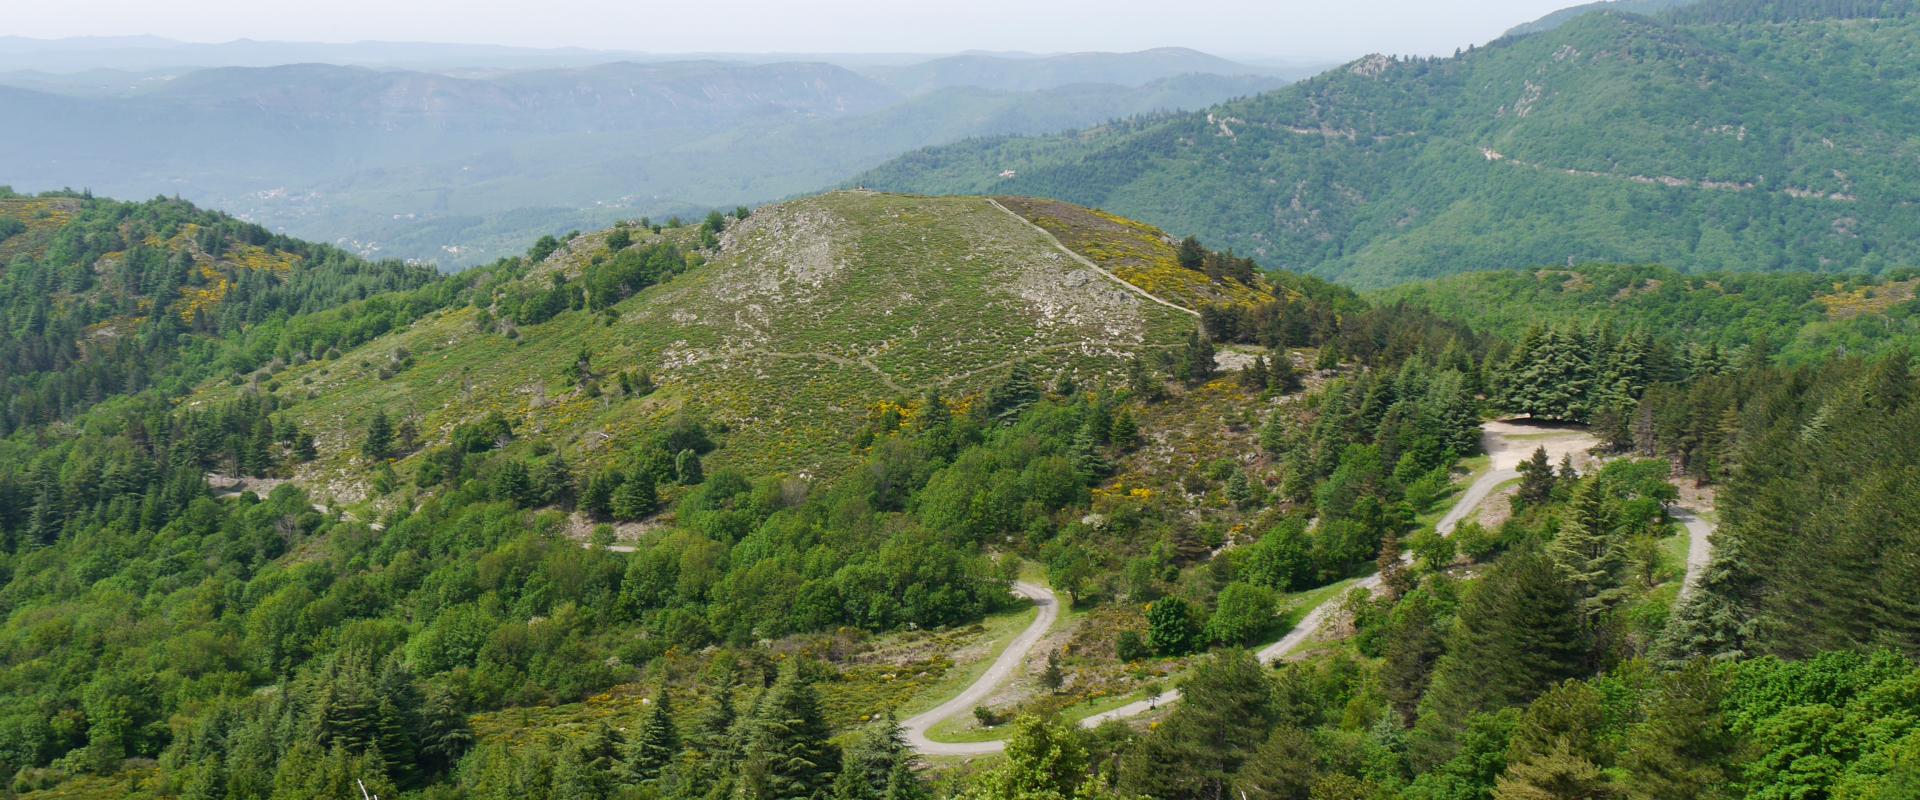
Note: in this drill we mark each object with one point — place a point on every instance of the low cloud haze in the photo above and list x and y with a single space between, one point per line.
1289 29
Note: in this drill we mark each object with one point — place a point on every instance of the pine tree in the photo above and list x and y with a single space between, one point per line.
1684 748
1283 767
1329 357
1281 375
1413 647
1558 774
1518 633
1141 382
1254 375
511 482
790 755
596 500
575 778
875 761
1226 710
1395 580
1125 434
658 742
1589 552
712 731
635 498
445 735
379 442
1012 395
1196 364
1536 479
1190 254
1051 677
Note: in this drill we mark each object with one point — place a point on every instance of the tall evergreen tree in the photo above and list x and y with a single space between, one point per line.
790 755
1225 712
1684 748
1589 551
658 743
379 441
1518 633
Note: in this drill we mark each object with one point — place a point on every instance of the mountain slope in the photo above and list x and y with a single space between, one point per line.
810 314
99 298
1805 316
1051 72
1612 138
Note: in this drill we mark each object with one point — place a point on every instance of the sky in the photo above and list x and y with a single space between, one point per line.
1285 29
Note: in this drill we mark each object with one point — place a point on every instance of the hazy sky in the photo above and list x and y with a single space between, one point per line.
1304 29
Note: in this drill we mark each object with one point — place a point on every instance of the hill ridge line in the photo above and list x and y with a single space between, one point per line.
1089 262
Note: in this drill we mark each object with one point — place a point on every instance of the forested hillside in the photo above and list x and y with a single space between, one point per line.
101 298
1804 316
698 510
1722 137
167 638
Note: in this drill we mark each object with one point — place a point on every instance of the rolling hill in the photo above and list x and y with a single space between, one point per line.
1710 141
810 315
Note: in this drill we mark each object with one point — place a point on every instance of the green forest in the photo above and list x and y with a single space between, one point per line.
1718 136
181 620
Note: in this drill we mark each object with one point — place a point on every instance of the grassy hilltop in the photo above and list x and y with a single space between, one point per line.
809 315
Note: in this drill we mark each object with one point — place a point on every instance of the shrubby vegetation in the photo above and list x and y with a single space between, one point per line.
218 643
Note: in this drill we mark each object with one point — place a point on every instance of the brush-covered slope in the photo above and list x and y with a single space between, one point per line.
1726 144
99 298
809 315
1806 316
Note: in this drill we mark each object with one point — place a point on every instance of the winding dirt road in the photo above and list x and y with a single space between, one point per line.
1002 668
1507 444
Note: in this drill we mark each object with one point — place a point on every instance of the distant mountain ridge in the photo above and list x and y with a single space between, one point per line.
1614 137
462 167
1027 74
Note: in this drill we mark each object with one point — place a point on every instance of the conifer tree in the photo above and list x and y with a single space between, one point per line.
1413 647
1191 255
715 725
1589 551
635 498
1254 375
1282 768
1225 712
1684 748
873 764
379 442
1518 633
1196 364
1329 357
1558 774
1125 434
658 742
790 755
1282 377
1536 479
